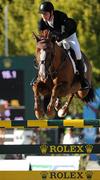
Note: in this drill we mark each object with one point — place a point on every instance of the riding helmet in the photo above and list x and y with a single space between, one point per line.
46 7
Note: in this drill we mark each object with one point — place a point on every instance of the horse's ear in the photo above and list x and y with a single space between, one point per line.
35 37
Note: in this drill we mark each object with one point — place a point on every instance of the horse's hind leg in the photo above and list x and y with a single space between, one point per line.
65 109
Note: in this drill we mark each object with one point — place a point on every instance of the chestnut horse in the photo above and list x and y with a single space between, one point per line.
57 77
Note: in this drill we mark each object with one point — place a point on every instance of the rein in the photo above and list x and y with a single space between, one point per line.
54 73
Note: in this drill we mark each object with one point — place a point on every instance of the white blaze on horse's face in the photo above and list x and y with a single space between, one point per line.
42 65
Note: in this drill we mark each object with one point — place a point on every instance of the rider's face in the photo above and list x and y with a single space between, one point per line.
46 16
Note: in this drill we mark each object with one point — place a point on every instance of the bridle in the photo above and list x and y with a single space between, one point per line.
50 70
44 44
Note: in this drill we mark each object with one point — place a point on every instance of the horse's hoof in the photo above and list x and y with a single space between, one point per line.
58 104
62 112
51 114
49 108
39 115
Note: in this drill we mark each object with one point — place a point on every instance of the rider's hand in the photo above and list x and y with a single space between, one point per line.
56 36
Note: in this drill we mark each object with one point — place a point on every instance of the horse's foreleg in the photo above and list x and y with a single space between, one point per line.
58 90
37 108
52 99
51 106
65 109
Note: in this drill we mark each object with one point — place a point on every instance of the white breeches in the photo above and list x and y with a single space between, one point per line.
72 42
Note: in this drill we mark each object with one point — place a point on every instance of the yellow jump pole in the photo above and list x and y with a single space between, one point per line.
52 123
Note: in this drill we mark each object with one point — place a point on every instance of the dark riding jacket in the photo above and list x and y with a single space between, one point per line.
64 25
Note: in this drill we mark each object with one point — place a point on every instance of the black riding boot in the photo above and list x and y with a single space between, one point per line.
84 82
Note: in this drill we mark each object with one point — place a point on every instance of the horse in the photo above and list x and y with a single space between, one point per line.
57 78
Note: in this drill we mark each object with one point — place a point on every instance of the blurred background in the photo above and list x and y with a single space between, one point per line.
18 19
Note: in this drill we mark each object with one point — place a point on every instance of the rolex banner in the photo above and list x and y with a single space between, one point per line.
49 175
46 149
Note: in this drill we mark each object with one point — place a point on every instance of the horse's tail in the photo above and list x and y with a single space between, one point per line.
90 96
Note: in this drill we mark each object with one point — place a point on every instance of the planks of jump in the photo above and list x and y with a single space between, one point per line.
52 123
